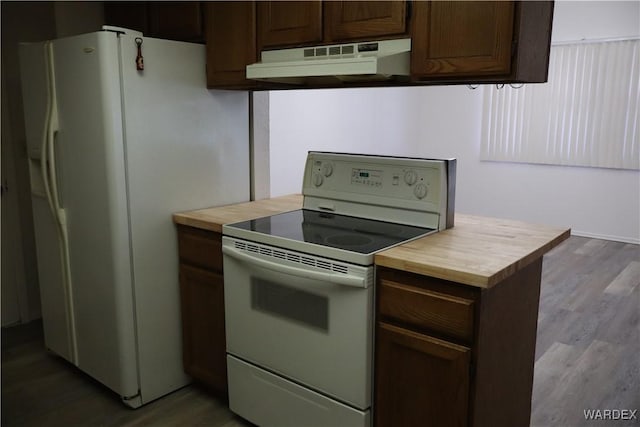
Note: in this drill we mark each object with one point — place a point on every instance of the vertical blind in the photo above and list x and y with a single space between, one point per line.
585 115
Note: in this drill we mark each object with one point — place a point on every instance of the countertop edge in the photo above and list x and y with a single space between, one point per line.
183 219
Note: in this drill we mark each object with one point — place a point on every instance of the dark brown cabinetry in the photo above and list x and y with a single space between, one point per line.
290 23
133 15
452 41
301 23
231 43
419 378
167 20
481 41
177 20
424 333
349 20
202 303
453 354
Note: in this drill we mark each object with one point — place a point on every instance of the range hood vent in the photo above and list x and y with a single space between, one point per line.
352 62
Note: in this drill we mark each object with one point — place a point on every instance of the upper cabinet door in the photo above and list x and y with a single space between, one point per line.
176 20
166 20
231 43
289 23
462 38
133 15
346 20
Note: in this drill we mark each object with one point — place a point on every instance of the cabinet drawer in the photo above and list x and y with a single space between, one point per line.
201 248
426 309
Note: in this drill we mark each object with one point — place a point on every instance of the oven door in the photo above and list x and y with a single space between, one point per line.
294 315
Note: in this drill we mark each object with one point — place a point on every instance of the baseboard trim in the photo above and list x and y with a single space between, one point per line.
635 241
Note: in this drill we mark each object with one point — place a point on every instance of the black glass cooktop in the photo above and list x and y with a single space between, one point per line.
349 233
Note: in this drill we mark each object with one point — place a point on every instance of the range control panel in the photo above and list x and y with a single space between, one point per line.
410 177
387 177
388 188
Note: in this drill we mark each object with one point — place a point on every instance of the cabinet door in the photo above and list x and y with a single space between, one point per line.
166 20
461 38
176 20
127 14
420 380
231 43
289 23
345 20
203 335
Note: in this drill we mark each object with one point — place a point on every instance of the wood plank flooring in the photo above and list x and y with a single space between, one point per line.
588 344
587 357
41 390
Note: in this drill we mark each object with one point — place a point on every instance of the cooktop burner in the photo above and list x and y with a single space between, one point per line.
348 233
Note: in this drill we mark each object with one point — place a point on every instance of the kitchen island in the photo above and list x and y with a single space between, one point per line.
456 315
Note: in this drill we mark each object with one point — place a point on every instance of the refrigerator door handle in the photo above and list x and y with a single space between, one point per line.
53 174
48 160
44 162
52 132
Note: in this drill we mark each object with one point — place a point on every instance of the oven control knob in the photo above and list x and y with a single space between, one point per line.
327 169
420 191
410 177
317 179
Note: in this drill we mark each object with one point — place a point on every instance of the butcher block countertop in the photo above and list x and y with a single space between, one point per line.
212 219
477 251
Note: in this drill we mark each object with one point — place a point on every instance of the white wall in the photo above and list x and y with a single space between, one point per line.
445 122
577 20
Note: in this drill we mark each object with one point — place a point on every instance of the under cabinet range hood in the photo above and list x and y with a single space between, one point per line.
351 62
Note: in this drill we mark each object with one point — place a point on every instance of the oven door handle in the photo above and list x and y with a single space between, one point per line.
333 278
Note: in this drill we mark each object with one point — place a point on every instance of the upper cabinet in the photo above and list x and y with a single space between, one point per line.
476 41
302 23
292 23
177 20
182 20
348 20
461 42
231 43
462 38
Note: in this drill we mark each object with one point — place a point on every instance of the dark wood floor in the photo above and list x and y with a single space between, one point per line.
42 390
587 357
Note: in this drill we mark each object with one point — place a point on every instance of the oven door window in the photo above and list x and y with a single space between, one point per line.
289 303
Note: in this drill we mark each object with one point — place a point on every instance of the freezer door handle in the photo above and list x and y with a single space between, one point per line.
44 162
332 278
48 156
49 177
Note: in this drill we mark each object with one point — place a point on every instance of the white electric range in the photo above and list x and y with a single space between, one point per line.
299 286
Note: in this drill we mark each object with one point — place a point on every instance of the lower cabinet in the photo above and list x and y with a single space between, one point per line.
202 304
419 378
449 354
203 352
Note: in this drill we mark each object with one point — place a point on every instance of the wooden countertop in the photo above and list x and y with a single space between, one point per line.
477 251
213 218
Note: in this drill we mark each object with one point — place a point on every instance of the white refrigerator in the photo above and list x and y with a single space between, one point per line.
113 152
